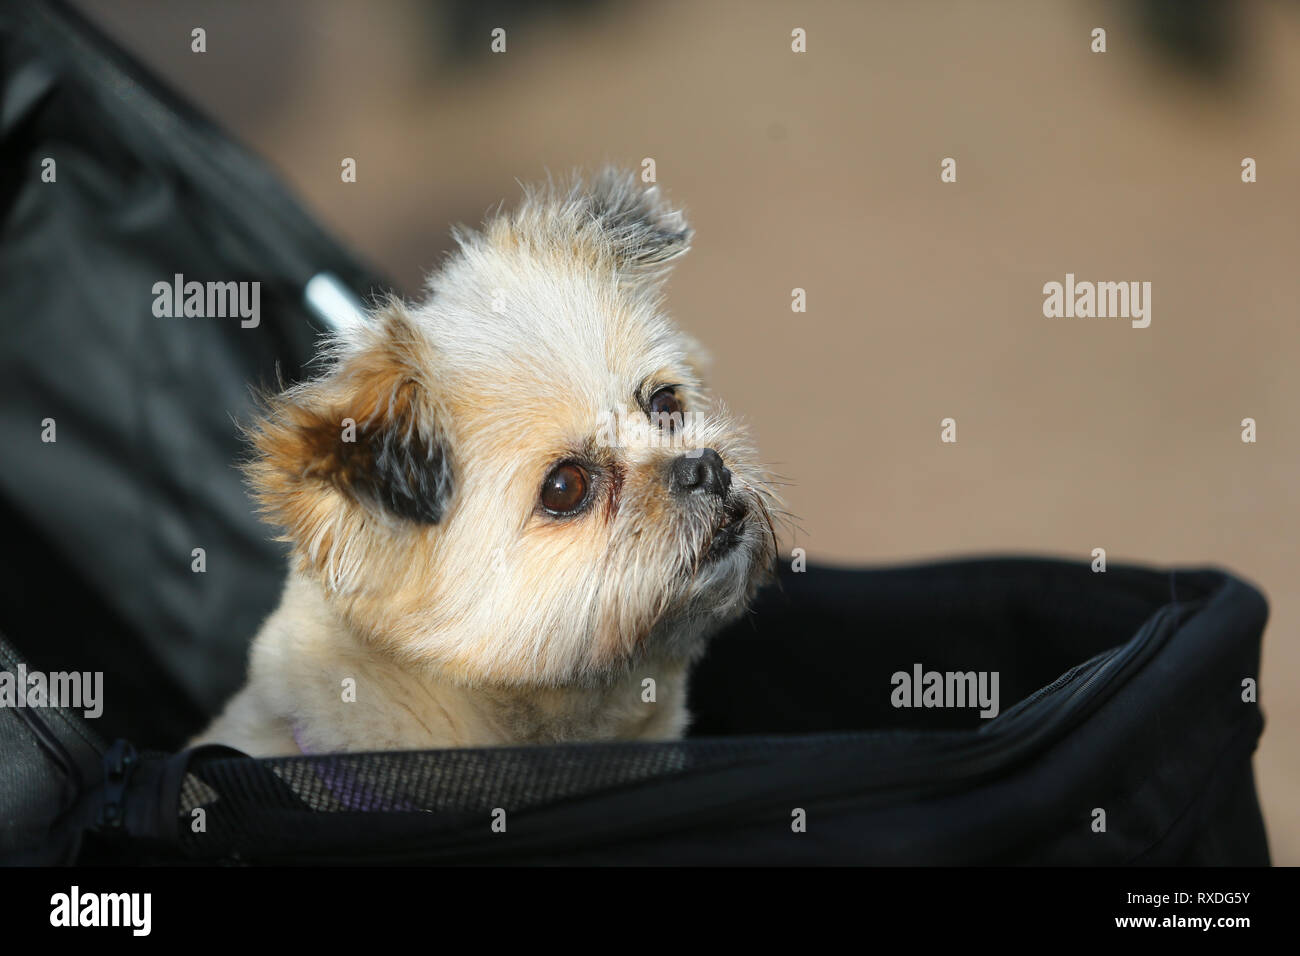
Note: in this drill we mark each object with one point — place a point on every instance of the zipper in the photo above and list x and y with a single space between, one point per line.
120 762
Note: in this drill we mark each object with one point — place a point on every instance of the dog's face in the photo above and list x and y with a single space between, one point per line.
524 479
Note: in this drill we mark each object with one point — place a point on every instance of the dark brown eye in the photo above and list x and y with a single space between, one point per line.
666 409
565 489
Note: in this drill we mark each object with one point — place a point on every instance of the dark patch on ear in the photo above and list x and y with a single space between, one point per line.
644 229
394 464
409 474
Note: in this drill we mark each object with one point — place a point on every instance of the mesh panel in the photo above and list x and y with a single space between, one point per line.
282 805
453 782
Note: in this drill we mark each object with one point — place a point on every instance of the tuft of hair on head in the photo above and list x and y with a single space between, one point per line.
361 444
611 219
642 229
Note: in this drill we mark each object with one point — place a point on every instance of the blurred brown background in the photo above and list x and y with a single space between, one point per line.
821 171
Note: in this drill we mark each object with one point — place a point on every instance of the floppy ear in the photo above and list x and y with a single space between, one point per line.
365 441
645 231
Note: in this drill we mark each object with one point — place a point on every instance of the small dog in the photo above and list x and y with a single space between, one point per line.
516 513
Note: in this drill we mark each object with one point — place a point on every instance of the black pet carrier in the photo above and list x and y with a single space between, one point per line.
1124 735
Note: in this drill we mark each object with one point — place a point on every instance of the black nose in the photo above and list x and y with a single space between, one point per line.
700 469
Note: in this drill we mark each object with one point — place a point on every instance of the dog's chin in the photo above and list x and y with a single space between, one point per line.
717 590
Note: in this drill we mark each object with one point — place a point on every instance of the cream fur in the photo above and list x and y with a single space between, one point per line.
295 696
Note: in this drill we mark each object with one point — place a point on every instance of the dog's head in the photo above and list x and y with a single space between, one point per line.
524 478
